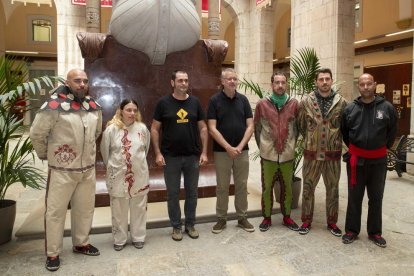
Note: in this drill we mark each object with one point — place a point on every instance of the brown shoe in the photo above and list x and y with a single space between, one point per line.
219 226
245 225
192 233
177 234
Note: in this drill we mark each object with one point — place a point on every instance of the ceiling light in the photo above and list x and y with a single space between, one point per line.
22 52
361 41
38 2
402 32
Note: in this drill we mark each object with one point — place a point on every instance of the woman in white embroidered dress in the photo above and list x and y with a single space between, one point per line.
124 147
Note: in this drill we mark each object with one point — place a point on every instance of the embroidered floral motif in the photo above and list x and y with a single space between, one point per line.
65 155
129 174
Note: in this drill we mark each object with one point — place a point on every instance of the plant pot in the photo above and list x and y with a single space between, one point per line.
7 215
296 189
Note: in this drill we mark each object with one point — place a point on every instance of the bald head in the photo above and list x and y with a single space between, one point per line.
366 76
77 81
367 87
74 72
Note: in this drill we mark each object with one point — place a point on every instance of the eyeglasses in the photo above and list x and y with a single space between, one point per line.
231 79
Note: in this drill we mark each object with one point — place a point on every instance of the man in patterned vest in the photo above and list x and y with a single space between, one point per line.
319 123
64 133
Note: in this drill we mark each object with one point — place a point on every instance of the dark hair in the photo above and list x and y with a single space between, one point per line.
127 101
279 73
174 74
323 70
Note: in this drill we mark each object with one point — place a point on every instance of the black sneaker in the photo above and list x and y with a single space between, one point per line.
138 244
304 229
378 240
334 230
52 263
118 247
348 238
88 249
265 225
290 223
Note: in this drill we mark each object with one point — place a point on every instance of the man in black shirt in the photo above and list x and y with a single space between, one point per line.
230 122
181 119
369 127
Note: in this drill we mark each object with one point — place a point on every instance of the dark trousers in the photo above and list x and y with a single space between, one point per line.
371 176
188 166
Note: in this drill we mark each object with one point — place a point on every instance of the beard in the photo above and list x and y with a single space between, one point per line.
80 94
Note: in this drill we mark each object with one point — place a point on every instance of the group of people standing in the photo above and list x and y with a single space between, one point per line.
65 130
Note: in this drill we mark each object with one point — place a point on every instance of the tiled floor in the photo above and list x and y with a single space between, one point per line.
278 251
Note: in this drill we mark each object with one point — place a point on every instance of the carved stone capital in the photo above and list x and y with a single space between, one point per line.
91 44
216 49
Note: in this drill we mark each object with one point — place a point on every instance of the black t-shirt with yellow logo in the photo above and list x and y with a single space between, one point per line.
179 123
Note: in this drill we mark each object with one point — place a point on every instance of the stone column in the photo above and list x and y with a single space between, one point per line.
199 9
213 19
70 20
254 41
329 28
410 156
261 44
93 16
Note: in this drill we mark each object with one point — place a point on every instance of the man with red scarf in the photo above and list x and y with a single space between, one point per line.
369 127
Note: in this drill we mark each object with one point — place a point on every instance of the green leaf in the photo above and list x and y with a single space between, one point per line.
16 150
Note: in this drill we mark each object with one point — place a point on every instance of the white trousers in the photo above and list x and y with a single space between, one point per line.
79 190
137 207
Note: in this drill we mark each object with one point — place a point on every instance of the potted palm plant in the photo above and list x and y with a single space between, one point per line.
16 150
303 67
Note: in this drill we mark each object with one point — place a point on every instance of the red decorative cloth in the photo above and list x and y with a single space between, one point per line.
359 152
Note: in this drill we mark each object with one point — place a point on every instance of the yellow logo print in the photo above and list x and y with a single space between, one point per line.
182 114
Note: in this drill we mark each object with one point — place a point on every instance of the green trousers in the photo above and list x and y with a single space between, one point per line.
282 173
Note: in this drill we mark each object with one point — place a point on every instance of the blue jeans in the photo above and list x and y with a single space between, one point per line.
174 167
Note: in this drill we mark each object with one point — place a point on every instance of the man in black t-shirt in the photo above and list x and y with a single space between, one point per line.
230 122
181 119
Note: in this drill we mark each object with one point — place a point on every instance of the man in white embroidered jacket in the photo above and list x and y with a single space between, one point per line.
64 133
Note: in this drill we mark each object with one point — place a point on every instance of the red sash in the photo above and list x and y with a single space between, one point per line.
358 152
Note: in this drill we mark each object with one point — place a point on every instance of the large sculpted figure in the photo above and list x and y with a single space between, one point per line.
131 66
163 27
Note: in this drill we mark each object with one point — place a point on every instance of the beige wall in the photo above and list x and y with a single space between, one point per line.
399 55
378 20
105 19
281 50
17 35
230 38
